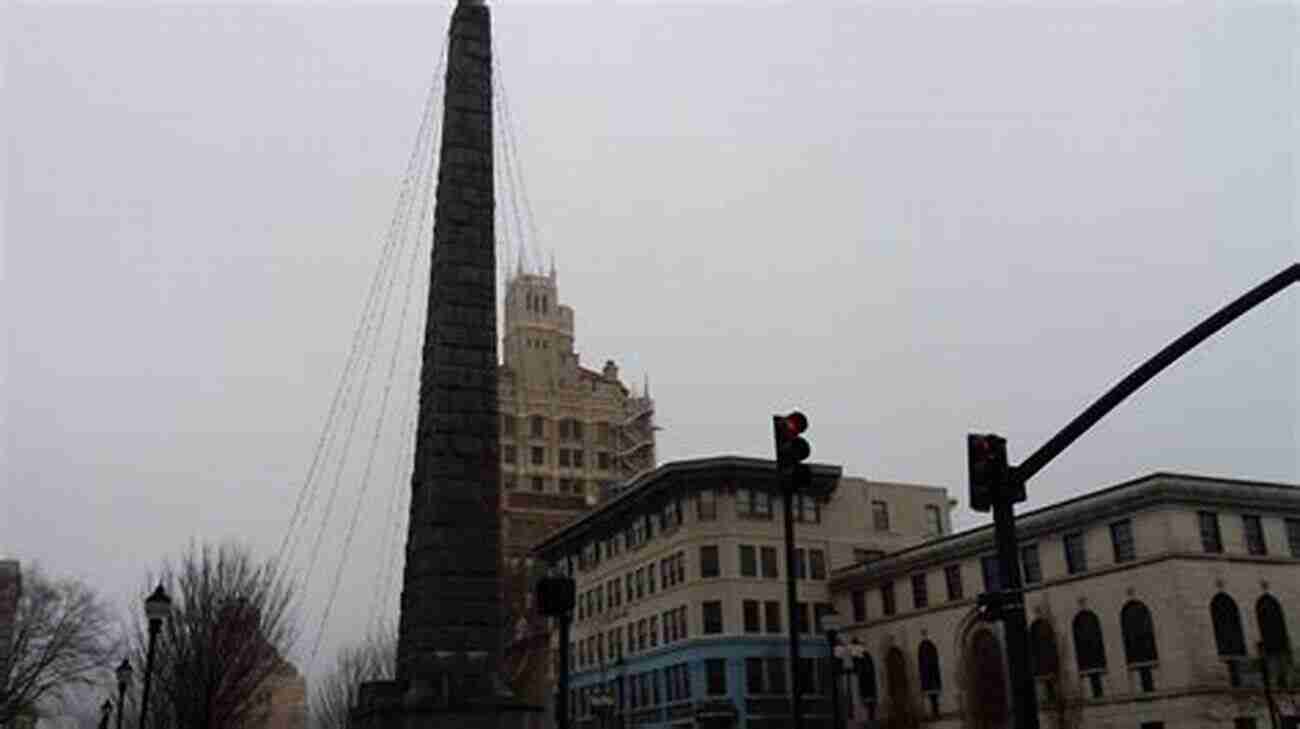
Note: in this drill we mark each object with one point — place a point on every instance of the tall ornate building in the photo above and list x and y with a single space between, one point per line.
569 435
570 438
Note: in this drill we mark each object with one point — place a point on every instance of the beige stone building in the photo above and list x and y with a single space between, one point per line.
569 435
1149 603
285 696
681 589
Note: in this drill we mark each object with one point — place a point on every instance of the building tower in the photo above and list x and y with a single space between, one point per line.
570 437
450 626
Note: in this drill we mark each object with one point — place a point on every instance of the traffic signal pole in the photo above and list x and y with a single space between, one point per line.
1012 610
997 486
791 600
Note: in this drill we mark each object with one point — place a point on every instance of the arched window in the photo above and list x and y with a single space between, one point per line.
1044 659
1272 626
1089 648
896 674
986 686
1228 635
927 660
1139 633
865 669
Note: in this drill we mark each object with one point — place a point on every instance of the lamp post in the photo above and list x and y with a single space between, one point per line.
105 712
157 607
831 625
123 680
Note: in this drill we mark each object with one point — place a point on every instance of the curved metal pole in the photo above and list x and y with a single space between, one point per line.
1152 367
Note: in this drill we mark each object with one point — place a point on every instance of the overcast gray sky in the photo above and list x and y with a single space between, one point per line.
913 221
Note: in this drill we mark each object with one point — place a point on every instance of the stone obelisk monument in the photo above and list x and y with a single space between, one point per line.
449 640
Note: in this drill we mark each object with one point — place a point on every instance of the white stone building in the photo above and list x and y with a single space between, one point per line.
1158 594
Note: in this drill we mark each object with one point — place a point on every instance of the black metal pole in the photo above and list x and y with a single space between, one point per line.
836 721
1013 614
562 701
1268 686
791 598
1152 367
121 702
154 626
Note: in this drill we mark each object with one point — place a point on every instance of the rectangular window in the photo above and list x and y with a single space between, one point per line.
817 564
952 576
577 430
859 600
753 676
880 516
800 564
577 459
772 616
768 558
1254 534
1121 538
807 509
706 504
820 611
709 561
537 426
1244 722
775 675
509 454
650 578
654 630
801 621
933 520
539 456
508 424
564 456
752 622
1293 536
602 461
1030 564
712 613
920 595
539 483
1076 554
715 676
887 606
1211 538
754 503
748 561
992 572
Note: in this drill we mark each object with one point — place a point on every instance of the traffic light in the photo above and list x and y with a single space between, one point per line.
791 448
987 456
556 595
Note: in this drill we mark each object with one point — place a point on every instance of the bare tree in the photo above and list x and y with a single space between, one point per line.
374 658
61 632
217 656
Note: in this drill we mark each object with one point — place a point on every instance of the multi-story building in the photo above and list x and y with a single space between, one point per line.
569 437
11 589
681 615
1149 604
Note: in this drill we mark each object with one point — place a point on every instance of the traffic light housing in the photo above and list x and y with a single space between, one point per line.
556 595
990 475
787 436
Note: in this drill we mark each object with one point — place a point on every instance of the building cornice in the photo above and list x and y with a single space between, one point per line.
1154 489
642 490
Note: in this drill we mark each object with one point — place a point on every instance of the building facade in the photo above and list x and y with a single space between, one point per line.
1149 604
569 435
11 589
681 617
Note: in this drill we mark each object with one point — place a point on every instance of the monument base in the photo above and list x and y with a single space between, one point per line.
437 704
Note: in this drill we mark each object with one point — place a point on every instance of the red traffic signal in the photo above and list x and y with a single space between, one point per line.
990 475
790 447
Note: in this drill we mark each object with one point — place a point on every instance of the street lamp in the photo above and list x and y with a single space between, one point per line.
123 680
157 607
831 625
